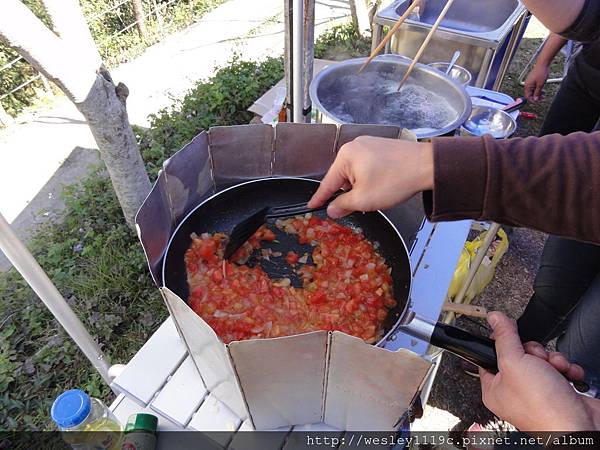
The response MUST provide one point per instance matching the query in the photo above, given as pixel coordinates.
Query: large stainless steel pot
(433, 106)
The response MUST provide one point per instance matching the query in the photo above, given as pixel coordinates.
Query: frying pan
(225, 209)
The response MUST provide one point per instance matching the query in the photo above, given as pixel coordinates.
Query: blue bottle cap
(71, 408)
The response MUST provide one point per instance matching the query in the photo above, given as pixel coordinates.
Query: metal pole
(287, 60)
(298, 60)
(481, 251)
(31, 271)
(309, 56)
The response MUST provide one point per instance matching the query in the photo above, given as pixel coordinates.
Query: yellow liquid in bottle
(104, 434)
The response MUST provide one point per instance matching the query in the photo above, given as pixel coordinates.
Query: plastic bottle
(86, 422)
(140, 432)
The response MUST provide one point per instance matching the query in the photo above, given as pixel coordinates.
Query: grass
(97, 264)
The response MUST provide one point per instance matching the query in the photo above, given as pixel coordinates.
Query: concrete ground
(33, 150)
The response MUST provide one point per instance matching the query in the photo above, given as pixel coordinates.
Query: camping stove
(321, 376)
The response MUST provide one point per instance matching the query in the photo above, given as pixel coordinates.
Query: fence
(148, 17)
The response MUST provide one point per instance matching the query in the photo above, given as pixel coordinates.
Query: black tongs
(247, 227)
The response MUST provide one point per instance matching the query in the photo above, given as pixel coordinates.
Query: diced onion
(237, 316)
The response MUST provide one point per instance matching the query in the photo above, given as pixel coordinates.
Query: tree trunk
(354, 15)
(72, 62)
(106, 114)
(372, 7)
(360, 16)
(138, 10)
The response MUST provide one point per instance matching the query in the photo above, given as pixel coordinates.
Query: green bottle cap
(141, 422)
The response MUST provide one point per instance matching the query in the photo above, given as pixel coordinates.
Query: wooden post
(309, 53)
(138, 11)
(159, 17)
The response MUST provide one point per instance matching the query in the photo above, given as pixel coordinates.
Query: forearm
(556, 15)
(551, 183)
(551, 48)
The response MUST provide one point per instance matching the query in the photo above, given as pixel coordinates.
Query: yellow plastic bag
(486, 270)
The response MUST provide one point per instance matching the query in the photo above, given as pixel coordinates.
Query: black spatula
(247, 227)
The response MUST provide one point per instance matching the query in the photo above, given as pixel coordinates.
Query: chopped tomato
(314, 221)
(207, 249)
(349, 287)
(292, 257)
(318, 297)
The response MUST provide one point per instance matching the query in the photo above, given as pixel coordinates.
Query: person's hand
(530, 390)
(535, 82)
(573, 372)
(380, 172)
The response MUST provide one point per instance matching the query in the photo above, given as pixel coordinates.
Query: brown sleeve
(550, 183)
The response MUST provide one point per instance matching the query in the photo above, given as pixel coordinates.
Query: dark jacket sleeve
(550, 183)
(586, 27)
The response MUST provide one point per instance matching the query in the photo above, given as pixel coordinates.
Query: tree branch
(22, 30)
(70, 25)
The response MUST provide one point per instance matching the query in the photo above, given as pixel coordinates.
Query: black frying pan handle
(481, 351)
(477, 349)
